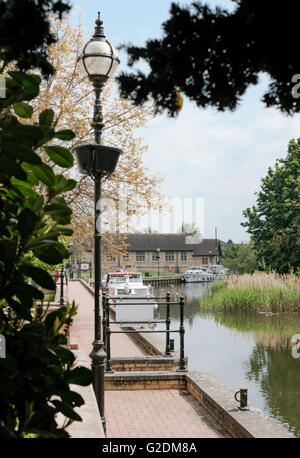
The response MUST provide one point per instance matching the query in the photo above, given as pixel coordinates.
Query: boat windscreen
(117, 279)
(135, 278)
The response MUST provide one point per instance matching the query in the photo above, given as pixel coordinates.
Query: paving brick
(122, 345)
(133, 411)
(158, 413)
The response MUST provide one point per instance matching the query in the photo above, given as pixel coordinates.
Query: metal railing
(107, 331)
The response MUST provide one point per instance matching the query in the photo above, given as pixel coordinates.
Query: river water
(243, 351)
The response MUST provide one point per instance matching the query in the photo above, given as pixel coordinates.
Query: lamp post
(100, 61)
(158, 258)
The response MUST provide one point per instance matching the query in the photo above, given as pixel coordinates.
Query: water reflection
(243, 350)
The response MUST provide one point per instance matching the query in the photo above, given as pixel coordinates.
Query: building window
(154, 256)
(110, 258)
(183, 256)
(140, 256)
(169, 256)
(205, 261)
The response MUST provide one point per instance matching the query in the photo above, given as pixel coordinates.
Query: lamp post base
(98, 357)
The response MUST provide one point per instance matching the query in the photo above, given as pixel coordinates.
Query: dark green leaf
(65, 230)
(64, 185)
(21, 133)
(51, 253)
(14, 93)
(23, 110)
(58, 209)
(46, 118)
(65, 135)
(36, 203)
(45, 174)
(21, 152)
(80, 376)
(59, 230)
(66, 410)
(31, 178)
(72, 398)
(12, 169)
(40, 276)
(8, 252)
(65, 355)
(30, 84)
(27, 221)
(24, 187)
(48, 134)
(34, 292)
(60, 155)
(22, 307)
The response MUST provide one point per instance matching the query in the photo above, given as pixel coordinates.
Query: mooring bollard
(243, 401)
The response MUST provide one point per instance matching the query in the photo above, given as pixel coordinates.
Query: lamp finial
(99, 31)
(98, 20)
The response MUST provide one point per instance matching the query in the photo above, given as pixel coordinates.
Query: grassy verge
(260, 292)
(82, 275)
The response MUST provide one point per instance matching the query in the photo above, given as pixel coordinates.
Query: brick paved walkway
(157, 414)
(140, 413)
(83, 326)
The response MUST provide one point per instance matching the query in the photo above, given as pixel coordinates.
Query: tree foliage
(212, 56)
(68, 92)
(240, 258)
(36, 374)
(25, 32)
(274, 222)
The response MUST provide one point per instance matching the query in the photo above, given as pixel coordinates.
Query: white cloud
(220, 157)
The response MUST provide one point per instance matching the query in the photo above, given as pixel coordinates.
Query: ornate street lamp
(100, 61)
(158, 258)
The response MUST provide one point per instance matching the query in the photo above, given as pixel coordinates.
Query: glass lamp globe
(99, 58)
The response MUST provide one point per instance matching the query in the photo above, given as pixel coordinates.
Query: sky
(204, 155)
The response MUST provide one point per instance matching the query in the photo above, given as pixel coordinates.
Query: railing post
(62, 301)
(108, 335)
(168, 349)
(181, 332)
(104, 300)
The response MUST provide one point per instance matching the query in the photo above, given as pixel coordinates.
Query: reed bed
(259, 292)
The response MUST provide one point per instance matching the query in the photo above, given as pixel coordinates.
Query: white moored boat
(198, 274)
(219, 271)
(131, 299)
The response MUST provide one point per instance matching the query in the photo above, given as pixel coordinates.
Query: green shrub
(36, 374)
(268, 292)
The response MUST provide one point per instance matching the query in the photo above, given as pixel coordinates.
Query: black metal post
(108, 336)
(98, 161)
(98, 354)
(181, 333)
(168, 349)
(62, 301)
(104, 300)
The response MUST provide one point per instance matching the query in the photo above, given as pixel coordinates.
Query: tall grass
(260, 292)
